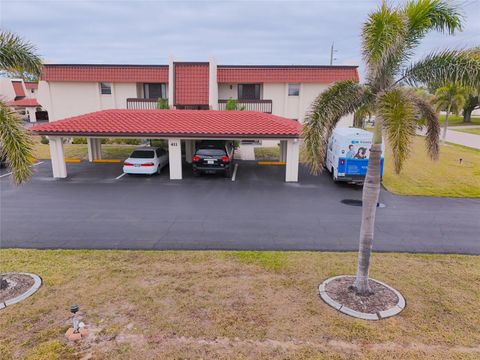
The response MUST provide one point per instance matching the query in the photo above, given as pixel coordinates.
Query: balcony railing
(264, 106)
(251, 105)
(141, 104)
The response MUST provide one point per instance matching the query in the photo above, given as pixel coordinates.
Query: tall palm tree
(389, 36)
(450, 98)
(16, 56)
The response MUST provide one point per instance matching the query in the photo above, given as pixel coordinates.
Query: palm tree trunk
(371, 192)
(445, 125)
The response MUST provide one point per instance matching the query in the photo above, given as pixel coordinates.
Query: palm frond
(397, 112)
(18, 55)
(340, 99)
(16, 144)
(427, 15)
(439, 68)
(427, 113)
(380, 31)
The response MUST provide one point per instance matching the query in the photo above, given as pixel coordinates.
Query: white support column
(291, 169)
(94, 146)
(32, 114)
(189, 150)
(171, 81)
(212, 84)
(175, 158)
(59, 168)
(283, 151)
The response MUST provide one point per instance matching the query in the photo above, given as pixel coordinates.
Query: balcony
(264, 106)
(141, 104)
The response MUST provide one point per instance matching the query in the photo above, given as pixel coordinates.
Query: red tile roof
(191, 83)
(31, 85)
(18, 88)
(282, 74)
(26, 102)
(171, 123)
(107, 73)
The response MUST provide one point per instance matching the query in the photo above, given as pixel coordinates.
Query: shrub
(80, 140)
(44, 140)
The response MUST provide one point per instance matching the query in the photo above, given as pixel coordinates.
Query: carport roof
(174, 123)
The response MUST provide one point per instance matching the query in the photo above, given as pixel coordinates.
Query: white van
(347, 154)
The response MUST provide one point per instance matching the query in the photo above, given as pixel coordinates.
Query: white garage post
(59, 168)
(32, 116)
(291, 170)
(188, 151)
(94, 149)
(175, 158)
(283, 151)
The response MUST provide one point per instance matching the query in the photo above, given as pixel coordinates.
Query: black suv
(213, 157)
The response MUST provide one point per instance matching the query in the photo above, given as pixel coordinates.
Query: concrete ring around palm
(385, 301)
(20, 286)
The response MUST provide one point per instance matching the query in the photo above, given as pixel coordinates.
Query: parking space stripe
(1, 176)
(235, 172)
(10, 173)
(120, 176)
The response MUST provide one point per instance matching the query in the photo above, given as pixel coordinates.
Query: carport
(175, 126)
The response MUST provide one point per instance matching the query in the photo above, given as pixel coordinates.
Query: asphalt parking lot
(97, 207)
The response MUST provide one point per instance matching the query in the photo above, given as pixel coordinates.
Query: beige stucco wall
(293, 107)
(225, 93)
(7, 93)
(65, 99)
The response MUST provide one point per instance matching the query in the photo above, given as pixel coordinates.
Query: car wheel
(159, 170)
(228, 173)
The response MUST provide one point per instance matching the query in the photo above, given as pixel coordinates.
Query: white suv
(146, 160)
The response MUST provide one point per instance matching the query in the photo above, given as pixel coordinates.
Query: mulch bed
(17, 285)
(382, 298)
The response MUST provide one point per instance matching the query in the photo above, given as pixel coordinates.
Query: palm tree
(389, 36)
(450, 98)
(16, 56)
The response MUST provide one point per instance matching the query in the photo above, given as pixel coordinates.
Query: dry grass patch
(236, 305)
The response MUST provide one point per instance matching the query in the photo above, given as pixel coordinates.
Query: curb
(357, 314)
(36, 285)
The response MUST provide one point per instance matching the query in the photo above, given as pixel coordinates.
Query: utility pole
(332, 51)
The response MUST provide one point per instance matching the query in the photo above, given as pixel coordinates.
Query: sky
(232, 31)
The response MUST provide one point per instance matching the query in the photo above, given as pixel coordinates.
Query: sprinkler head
(74, 309)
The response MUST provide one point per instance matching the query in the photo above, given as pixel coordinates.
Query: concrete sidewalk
(459, 138)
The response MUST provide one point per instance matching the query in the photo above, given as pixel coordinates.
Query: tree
(389, 37)
(16, 56)
(471, 104)
(450, 98)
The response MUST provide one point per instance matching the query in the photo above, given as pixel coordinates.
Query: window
(249, 91)
(142, 154)
(293, 89)
(155, 91)
(105, 88)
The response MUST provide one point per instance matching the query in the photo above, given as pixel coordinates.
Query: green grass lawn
(236, 305)
(457, 120)
(79, 151)
(474, 131)
(445, 177)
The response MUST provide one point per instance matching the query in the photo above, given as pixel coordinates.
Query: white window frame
(104, 86)
(292, 91)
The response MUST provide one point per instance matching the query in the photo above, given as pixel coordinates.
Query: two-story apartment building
(22, 96)
(288, 91)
